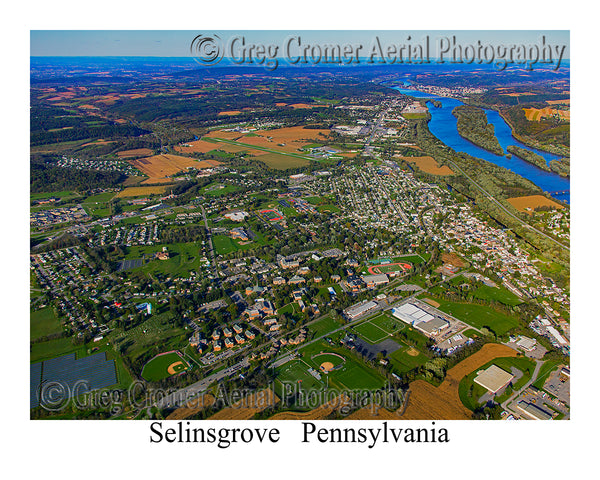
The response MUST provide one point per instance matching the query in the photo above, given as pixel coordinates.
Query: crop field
(319, 413)
(523, 204)
(479, 316)
(429, 165)
(136, 152)
(537, 114)
(159, 167)
(427, 402)
(192, 407)
(163, 366)
(245, 408)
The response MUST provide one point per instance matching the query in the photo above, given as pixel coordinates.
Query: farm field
(160, 167)
(43, 322)
(427, 402)
(537, 114)
(247, 407)
(136, 152)
(163, 366)
(192, 407)
(530, 202)
(479, 316)
(319, 413)
(429, 165)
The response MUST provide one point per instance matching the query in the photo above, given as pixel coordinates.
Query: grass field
(547, 368)
(406, 358)
(479, 316)
(43, 322)
(164, 366)
(323, 326)
(499, 294)
(141, 191)
(371, 333)
(54, 348)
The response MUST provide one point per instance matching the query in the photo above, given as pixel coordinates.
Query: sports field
(323, 326)
(371, 333)
(163, 366)
(390, 267)
(271, 215)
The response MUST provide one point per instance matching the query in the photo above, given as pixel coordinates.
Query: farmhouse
(493, 378)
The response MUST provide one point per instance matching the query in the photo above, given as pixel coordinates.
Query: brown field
(427, 402)
(202, 146)
(137, 152)
(133, 180)
(192, 407)
(429, 165)
(536, 114)
(159, 167)
(370, 413)
(431, 302)
(230, 112)
(318, 413)
(524, 204)
(98, 142)
(141, 191)
(453, 258)
(247, 407)
(559, 102)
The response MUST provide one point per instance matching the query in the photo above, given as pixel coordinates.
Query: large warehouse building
(420, 319)
(493, 378)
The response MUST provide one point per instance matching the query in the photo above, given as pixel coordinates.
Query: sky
(167, 43)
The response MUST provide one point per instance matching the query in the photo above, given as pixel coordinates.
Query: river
(443, 126)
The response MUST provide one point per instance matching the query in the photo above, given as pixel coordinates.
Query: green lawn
(387, 323)
(500, 294)
(403, 362)
(370, 332)
(156, 368)
(43, 322)
(323, 326)
(54, 348)
(547, 368)
(479, 315)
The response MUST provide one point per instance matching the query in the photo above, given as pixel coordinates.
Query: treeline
(83, 132)
(548, 134)
(473, 125)
(529, 157)
(49, 178)
(561, 166)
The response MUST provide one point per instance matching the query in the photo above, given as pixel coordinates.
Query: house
(249, 334)
(216, 335)
(265, 306)
(239, 233)
(239, 339)
(335, 278)
(318, 279)
(229, 343)
(228, 333)
(269, 321)
(274, 327)
(217, 346)
(279, 281)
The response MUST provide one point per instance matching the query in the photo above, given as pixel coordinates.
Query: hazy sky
(166, 43)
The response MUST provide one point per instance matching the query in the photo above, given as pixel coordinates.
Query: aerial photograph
(299, 225)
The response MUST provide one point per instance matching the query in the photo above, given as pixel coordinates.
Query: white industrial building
(420, 319)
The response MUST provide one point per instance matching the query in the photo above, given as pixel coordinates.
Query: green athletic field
(157, 367)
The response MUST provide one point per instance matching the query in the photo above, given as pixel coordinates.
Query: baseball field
(164, 365)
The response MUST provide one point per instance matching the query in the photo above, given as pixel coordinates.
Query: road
(536, 371)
